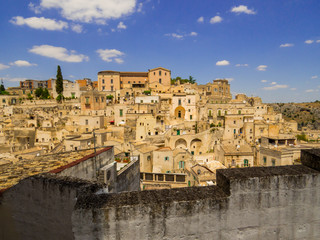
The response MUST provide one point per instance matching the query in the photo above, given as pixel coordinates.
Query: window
(154, 73)
(102, 99)
(234, 122)
(181, 164)
(103, 88)
(141, 101)
(121, 112)
(111, 88)
(102, 80)
(246, 163)
(166, 158)
(190, 117)
(151, 101)
(239, 112)
(87, 100)
(189, 101)
(128, 81)
(97, 99)
(273, 162)
(159, 73)
(87, 121)
(179, 102)
(159, 80)
(111, 81)
(219, 113)
(264, 160)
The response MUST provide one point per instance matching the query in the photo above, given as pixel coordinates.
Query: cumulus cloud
(229, 79)
(242, 9)
(58, 53)
(215, 19)
(17, 79)
(181, 36)
(314, 77)
(3, 66)
(193, 34)
(286, 45)
(264, 81)
(318, 41)
(93, 10)
(273, 83)
(262, 67)
(110, 55)
(223, 63)
(40, 23)
(200, 20)
(242, 65)
(275, 87)
(77, 28)
(22, 63)
(121, 26)
(308, 41)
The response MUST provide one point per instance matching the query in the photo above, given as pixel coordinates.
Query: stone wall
(251, 203)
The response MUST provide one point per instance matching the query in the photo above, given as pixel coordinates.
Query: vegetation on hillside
(305, 114)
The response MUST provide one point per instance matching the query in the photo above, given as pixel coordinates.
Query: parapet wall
(251, 203)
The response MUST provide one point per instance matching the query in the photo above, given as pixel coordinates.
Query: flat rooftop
(12, 173)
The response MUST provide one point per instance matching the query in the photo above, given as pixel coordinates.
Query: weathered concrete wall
(128, 178)
(87, 167)
(252, 203)
(40, 207)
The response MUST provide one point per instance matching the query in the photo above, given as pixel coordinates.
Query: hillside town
(179, 131)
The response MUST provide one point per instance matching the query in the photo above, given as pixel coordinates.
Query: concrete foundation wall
(128, 179)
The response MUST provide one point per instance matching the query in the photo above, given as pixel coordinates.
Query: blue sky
(266, 48)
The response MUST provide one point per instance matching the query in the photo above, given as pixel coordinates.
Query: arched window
(246, 163)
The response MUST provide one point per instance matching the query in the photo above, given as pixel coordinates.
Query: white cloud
(200, 20)
(139, 8)
(314, 77)
(3, 66)
(89, 11)
(273, 83)
(264, 81)
(40, 23)
(35, 9)
(275, 87)
(121, 26)
(262, 67)
(308, 41)
(215, 19)
(174, 35)
(110, 55)
(58, 53)
(312, 90)
(223, 63)
(287, 45)
(22, 63)
(229, 79)
(77, 28)
(318, 41)
(18, 79)
(242, 9)
(242, 65)
(293, 89)
(193, 34)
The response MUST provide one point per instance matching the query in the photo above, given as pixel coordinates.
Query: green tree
(30, 97)
(38, 92)
(191, 80)
(2, 89)
(59, 81)
(45, 94)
